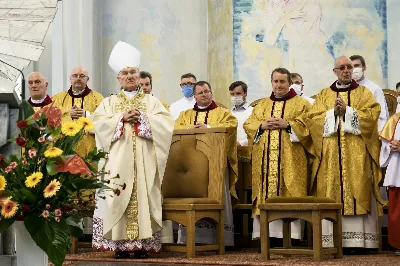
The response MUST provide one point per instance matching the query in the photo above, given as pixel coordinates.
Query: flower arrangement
(41, 187)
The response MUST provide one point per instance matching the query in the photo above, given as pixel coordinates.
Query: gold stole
(131, 212)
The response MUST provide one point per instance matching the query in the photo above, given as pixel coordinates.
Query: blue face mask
(187, 91)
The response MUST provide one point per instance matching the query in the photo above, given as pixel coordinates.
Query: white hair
(42, 77)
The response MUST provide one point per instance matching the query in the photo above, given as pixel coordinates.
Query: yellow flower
(86, 123)
(52, 188)
(3, 183)
(70, 128)
(52, 152)
(9, 208)
(33, 179)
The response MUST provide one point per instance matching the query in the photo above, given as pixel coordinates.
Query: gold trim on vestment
(131, 212)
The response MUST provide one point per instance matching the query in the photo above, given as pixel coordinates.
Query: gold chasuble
(88, 100)
(280, 167)
(347, 150)
(138, 154)
(216, 116)
(37, 105)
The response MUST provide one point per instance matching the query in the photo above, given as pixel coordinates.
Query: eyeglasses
(203, 92)
(187, 84)
(81, 76)
(341, 68)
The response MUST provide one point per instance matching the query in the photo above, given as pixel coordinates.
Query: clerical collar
(40, 103)
(130, 94)
(337, 87)
(83, 93)
(292, 93)
(211, 106)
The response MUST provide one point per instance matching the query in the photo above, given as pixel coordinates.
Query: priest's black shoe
(122, 255)
(140, 254)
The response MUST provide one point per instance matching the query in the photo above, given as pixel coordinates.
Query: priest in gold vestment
(343, 125)
(206, 114)
(79, 101)
(281, 150)
(136, 131)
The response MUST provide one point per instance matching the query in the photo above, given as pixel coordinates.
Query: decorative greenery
(42, 187)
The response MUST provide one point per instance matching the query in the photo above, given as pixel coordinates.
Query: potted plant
(41, 187)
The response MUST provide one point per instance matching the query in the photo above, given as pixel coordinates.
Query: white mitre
(122, 56)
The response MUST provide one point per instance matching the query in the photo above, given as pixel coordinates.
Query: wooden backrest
(196, 164)
(391, 100)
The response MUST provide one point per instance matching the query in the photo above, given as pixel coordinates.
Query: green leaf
(51, 165)
(25, 110)
(75, 231)
(73, 220)
(50, 236)
(5, 224)
(29, 195)
(12, 140)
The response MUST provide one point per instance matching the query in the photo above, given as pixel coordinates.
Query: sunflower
(86, 123)
(9, 208)
(33, 179)
(3, 183)
(52, 152)
(52, 188)
(70, 128)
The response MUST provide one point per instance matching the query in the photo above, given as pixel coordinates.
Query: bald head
(37, 84)
(79, 78)
(343, 70)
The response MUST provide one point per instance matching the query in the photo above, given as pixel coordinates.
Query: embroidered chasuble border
(348, 201)
(131, 212)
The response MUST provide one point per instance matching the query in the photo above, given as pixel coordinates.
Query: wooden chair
(193, 185)
(75, 244)
(391, 100)
(243, 186)
(310, 209)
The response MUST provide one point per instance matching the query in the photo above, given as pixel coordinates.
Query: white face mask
(237, 100)
(357, 73)
(297, 88)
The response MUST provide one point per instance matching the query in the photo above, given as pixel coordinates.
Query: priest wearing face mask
(206, 114)
(343, 122)
(281, 150)
(136, 131)
(358, 75)
(298, 86)
(241, 109)
(37, 84)
(188, 101)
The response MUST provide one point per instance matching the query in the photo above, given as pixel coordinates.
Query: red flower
(32, 153)
(41, 139)
(26, 208)
(57, 219)
(1, 160)
(47, 206)
(68, 208)
(21, 141)
(117, 192)
(54, 116)
(19, 217)
(13, 165)
(123, 186)
(73, 164)
(22, 124)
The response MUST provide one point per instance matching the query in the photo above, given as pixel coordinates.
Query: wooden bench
(310, 209)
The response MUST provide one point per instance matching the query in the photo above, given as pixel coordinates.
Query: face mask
(297, 88)
(357, 73)
(237, 100)
(187, 91)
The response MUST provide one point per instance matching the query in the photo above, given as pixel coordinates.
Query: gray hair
(42, 77)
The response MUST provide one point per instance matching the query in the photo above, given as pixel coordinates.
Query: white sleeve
(351, 124)
(87, 114)
(293, 137)
(330, 124)
(384, 157)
